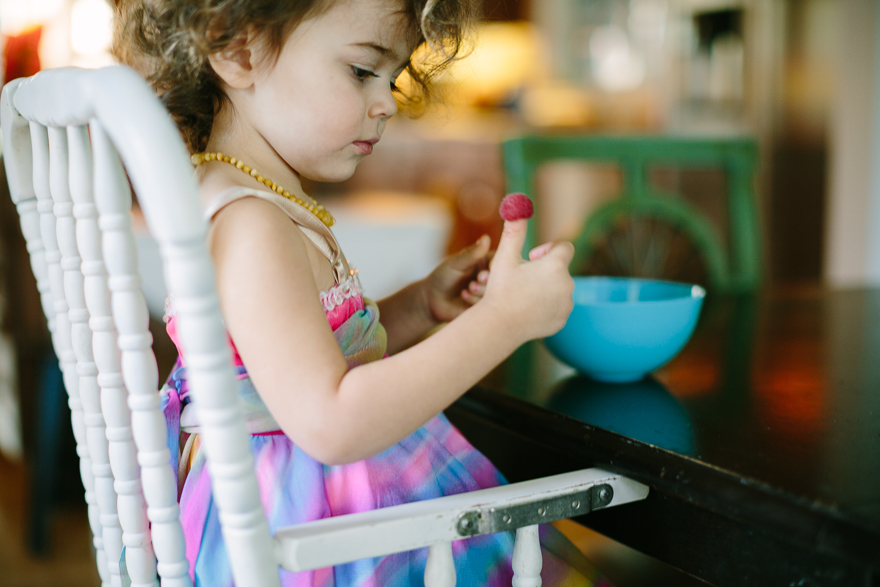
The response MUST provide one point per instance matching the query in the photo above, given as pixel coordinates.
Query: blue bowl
(623, 328)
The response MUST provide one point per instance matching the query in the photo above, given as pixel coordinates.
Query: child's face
(326, 100)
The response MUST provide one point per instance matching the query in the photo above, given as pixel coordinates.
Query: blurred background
(799, 77)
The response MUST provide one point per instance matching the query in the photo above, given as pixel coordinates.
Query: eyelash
(362, 75)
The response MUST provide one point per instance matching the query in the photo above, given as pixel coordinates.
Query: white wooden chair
(69, 137)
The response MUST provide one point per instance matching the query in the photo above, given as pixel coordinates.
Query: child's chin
(332, 175)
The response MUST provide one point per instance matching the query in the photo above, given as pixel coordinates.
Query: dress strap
(316, 231)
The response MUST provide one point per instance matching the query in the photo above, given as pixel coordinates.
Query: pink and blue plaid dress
(433, 461)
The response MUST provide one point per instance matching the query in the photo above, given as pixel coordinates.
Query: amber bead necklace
(315, 208)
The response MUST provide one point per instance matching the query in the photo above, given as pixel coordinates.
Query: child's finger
(473, 295)
(512, 239)
(539, 251)
(563, 250)
(476, 288)
(483, 276)
(466, 258)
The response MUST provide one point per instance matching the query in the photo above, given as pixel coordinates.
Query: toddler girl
(267, 92)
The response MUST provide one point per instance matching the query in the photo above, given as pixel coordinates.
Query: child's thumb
(513, 237)
(468, 257)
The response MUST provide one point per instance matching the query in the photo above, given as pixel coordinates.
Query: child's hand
(459, 281)
(535, 295)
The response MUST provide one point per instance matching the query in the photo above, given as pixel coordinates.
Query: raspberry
(516, 207)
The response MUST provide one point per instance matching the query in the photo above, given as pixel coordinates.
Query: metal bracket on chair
(499, 519)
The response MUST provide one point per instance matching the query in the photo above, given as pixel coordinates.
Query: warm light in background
(555, 103)
(90, 26)
(74, 32)
(17, 15)
(504, 58)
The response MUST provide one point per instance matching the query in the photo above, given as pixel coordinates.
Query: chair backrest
(72, 139)
(734, 265)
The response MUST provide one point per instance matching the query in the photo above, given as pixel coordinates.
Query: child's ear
(236, 64)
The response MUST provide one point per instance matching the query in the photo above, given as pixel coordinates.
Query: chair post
(130, 125)
(61, 333)
(139, 371)
(173, 212)
(527, 561)
(139, 560)
(745, 253)
(61, 182)
(18, 161)
(634, 175)
(440, 568)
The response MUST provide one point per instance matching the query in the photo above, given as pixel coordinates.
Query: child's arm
(269, 299)
(451, 288)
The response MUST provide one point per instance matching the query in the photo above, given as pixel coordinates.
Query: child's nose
(384, 105)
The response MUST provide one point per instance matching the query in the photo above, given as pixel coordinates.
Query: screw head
(505, 518)
(468, 524)
(575, 504)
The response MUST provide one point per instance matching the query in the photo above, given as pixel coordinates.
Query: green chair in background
(728, 264)
(730, 268)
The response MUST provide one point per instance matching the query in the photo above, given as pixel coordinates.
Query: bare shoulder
(249, 209)
(261, 260)
(253, 235)
(251, 226)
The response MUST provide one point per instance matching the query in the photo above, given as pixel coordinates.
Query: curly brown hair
(169, 42)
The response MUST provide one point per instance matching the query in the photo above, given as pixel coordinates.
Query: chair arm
(342, 539)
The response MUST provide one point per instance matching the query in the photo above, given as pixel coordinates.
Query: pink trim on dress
(339, 302)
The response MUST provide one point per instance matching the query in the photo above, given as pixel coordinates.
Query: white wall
(852, 251)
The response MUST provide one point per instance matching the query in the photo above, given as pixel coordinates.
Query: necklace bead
(313, 207)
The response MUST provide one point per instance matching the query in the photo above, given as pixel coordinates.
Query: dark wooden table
(760, 441)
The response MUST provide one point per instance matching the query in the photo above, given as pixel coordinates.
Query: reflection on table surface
(781, 389)
(643, 410)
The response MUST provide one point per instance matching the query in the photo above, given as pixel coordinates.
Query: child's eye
(362, 74)
(394, 87)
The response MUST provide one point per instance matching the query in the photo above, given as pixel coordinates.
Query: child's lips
(366, 147)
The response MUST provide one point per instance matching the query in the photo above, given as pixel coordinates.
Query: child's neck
(232, 137)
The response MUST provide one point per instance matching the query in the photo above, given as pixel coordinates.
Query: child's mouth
(364, 147)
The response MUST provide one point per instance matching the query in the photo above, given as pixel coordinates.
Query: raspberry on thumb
(516, 207)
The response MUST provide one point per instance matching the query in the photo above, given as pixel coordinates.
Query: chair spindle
(140, 561)
(440, 568)
(139, 370)
(527, 560)
(61, 335)
(62, 183)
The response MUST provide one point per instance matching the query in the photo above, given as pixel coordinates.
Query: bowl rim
(697, 292)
